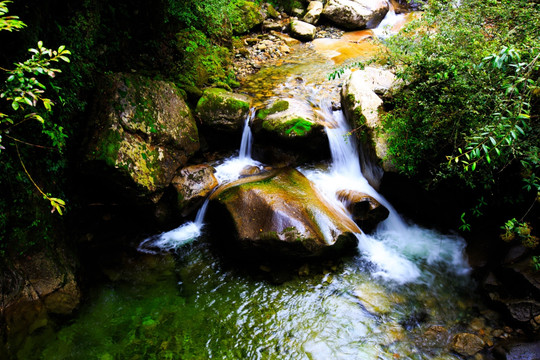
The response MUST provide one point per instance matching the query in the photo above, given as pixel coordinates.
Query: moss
(245, 16)
(108, 147)
(278, 106)
(294, 127)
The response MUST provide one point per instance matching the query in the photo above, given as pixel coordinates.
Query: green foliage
(467, 114)
(521, 231)
(469, 72)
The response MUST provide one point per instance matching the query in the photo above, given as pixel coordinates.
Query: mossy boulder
(291, 125)
(222, 110)
(246, 16)
(280, 212)
(142, 131)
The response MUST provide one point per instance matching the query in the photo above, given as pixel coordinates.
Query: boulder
(356, 14)
(361, 106)
(281, 213)
(291, 124)
(223, 110)
(314, 11)
(142, 131)
(34, 287)
(192, 185)
(366, 211)
(467, 344)
(302, 30)
(248, 16)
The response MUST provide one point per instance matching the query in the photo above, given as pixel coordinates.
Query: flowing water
(195, 304)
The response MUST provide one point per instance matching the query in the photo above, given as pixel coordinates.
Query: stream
(193, 303)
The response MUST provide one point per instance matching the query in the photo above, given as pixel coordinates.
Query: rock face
(222, 110)
(314, 11)
(356, 14)
(366, 211)
(36, 286)
(361, 107)
(192, 185)
(302, 30)
(142, 131)
(281, 213)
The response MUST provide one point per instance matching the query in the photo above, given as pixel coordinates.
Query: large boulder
(302, 30)
(367, 212)
(356, 14)
(361, 106)
(222, 110)
(142, 132)
(280, 212)
(314, 11)
(192, 185)
(290, 124)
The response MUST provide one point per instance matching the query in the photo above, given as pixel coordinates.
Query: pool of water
(197, 305)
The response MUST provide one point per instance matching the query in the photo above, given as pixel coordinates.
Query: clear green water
(197, 307)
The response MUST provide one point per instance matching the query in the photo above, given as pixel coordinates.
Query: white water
(387, 26)
(226, 172)
(396, 249)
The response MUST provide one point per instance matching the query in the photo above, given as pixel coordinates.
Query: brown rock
(281, 212)
(467, 344)
(366, 211)
(192, 185)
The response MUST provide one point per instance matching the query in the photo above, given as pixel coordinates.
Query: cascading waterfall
(395, 248)
(387, 25)
(228, 171)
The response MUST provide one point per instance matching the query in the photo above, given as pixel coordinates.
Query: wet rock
(293, 125)
(361, 106)
(356, 14)
(436, 336)
(467, 344)
(314, 11)
(302, 30)
(281, 213)
(192, 185)
(366, 211)
(142, 131)
(222, 110)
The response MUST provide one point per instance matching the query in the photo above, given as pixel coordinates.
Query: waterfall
(247, 139)
(387, 26)
(228, 171)
(172, 240)
(396, 249)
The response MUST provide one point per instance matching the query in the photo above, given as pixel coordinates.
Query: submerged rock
(223, 110)
(142, 132)
(281, 213)
(467, 344)
(302, 30)
(193, 184)
(356, 14)
(366, 211)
